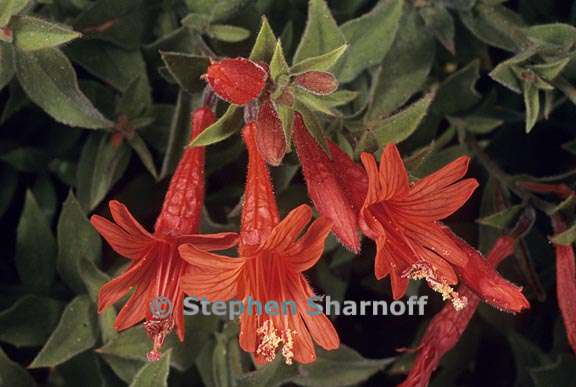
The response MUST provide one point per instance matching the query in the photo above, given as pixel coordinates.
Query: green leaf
(8, 8)
(555, 35)
(505, 72)
(122, 23)
(154, 374)
(566, 237)
(77, 240)
(226, 126)
(458, 93)
(549, 71)
(265, 43)
(315, 103)
(125, 369)
(527, 355)
(178, 133)
(531, 103)
(272, 375)
(50, 82)
(187, 69)
(227, 33)
(370, 38)
(502, 219)
(31, 33)
(141, 149)
(92, 277)
(7, 70)
(286, 115)
(76, 332)
(35, 247)
(107, 62)
(13, 374)
(400, 126)
(26, 159)
(101, 164)
(321, 33)
(476, 124)
(322, 62)
(135, 101)
(20, 325)
(405, 68)
(343, 367)
(278, 64)
(83, 370)
(216, 10)
(439, 21)
(495, 25)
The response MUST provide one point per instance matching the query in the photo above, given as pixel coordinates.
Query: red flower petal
(317, 82)
(323, 187)
(237, 80)
(269, 134)
(351, 176)
(127, 245)
(259, 211)
(566, 283)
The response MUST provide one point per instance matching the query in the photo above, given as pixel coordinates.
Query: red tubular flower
(480, 276)
(446, 328)
(562, 190)
(236, 80)
(273, 257)
(403, 219)
(325, 186)
(566, 283)
(156, 266)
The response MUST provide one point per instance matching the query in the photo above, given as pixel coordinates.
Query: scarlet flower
(272, 259)
(236, 80)
(566, 282)
(330, 189)
(446, 328)
(403, 219)
(156, 266)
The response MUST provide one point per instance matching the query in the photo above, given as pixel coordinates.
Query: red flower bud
(269, 134)
(317, 82)
(237, 80)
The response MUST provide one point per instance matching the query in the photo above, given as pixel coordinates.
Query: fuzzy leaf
(19, 325)
(278, 64)
(502, 219)
(154, 374)
(370, 37)
(400, 126)
(13, 374)
(102, 163)
(77, 240)
(35, 247)
(458, 92)
(321, 33)
(226, 126)
(566, 237)
(186, 69)
(31, 33)
(76, 332)
(405, 67)
(8, 8)
(322, 62)
(7, 70)
(50, 81)
(265, 43)
(227, 33)
(439, 21)
(531, 103)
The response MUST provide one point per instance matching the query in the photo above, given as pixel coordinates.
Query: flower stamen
(270, 340)
(158, 330)
(422, 270)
